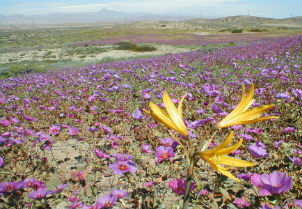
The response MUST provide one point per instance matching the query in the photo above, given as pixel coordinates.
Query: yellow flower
(218, 160)
(240, 115)
(173, 119)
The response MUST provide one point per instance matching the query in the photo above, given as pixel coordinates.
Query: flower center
(165, 155)
(123, 167)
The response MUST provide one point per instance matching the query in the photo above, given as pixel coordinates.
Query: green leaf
(53, 183)
(225, 194)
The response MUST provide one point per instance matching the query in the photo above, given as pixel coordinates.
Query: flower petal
(225, 160)
(245, 103)
(222, 145)
(173, 113)
(179, 109)
(159, 115)
(230, 149)
(227, 173)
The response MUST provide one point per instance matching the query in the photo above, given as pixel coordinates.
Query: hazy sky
(197, 8)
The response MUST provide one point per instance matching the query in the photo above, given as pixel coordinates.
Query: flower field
(193, 130)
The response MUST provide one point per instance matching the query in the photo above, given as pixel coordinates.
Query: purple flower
(295, 160)
(73, 131)
(178, 186)
(149, 184)
(5, 122)
(283, 95)
(59, 189)
(277, 143)
(254, 131)
(163, 153)
(107, 201)
(298, 203)
(247, 137)
(204, 192)
(8, 187)
(274, 183)
(119, 193)
(123, 157)
(55, 130)
(257, 151)
(245, 176)
(44, 137)
(146, 95)
(240, 202)
(100, 153)
(107, 130)
(47, 145)
(39, 194)
(215, 108)
(236, 127)
(137, 115)
(122, 167)
(297, 93)
(265, 206)
(289, 130)
(1, 161)
(146, 148)
(168, 142)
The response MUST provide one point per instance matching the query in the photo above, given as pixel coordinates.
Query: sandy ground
(58, 53)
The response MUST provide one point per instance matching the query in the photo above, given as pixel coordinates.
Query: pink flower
(107, 201)
(100, 153)
(149, 184)
(289, 130)
(164, 153)
(178, 186)
(146, 148)
(5, 123)
(122, 167)
(204, 192)
(54, 130)
(73, 131)
(1, 161)
(240, 202)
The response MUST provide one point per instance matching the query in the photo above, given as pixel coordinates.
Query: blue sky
(197, 8)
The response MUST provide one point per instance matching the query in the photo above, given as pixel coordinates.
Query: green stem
(157, 198)
(188, 184)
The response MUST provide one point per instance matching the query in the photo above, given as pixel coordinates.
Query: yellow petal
(230, 149)
(245, 103)
(253, 113)
(208, 160)
(222, 145)
(161, 117)
(179, 109)
(227, 173)
(256, 120)
(246, 117)
(173, 114)
(225, 160)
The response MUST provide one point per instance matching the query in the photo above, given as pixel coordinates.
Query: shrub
(134, 47)
(125, 46)
(257, 30)
(144, 49)
(237, 30)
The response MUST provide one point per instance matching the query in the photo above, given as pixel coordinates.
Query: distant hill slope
(243, 21)
(251, 21)
(101, 16)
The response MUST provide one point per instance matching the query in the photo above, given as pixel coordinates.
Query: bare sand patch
(58, 53)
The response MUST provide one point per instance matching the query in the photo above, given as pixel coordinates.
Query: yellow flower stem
(193, 159)
(186, 199)
(206, 145)
(182, 146)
